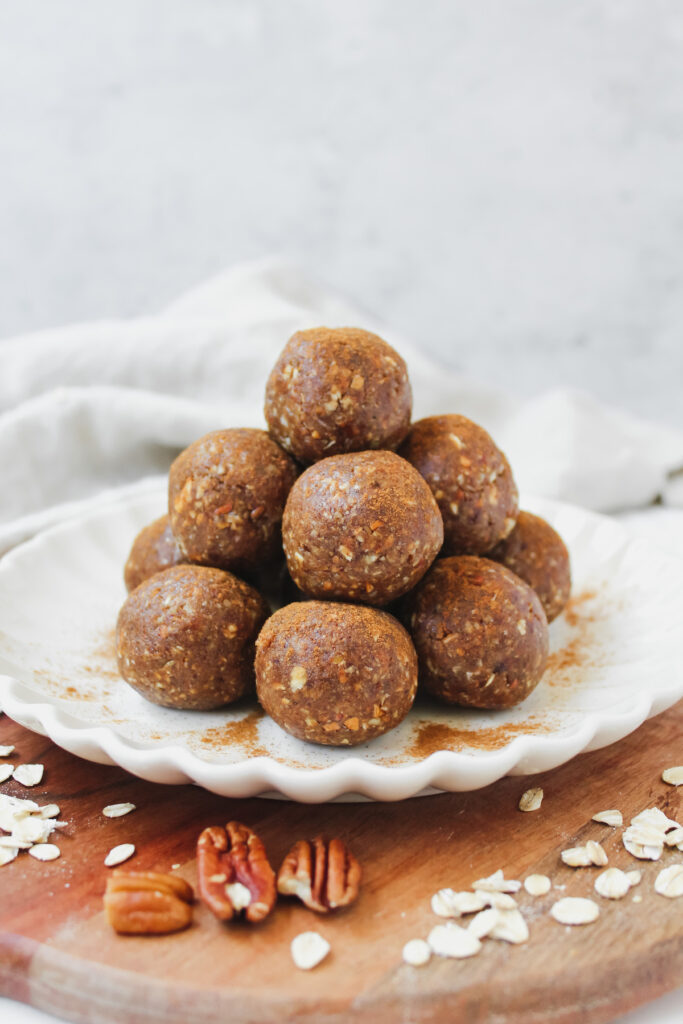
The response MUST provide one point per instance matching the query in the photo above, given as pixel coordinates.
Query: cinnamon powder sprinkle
(575, 612)
(105, 650)
(580, 650)
(243, 733)
(431, 737)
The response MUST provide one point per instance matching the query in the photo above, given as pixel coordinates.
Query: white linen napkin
(90, 412)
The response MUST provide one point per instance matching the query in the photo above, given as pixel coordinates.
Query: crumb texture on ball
(337, 390)
(360, 527)
(537, 553)
(185, 637)
(480, 633)
(226, 495)
(470, 478)
(154, 549)
(336, 674)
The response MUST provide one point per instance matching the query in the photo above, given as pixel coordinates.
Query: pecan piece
(147, 903)
(234, 873)
(323, 873)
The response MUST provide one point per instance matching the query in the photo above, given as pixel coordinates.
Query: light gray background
(502, 180)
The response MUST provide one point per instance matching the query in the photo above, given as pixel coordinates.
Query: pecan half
(234, 873)
(323, 873)
(147, 903)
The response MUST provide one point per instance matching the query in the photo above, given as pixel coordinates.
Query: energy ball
(153, 549)
(226, 493)
(338, 674)
(538, 554)
(480, 633)
(185, 637)
(360, 527)
(337, 390)
(470, 479)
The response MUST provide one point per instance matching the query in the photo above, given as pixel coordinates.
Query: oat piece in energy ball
(361, 527)
(480, 633)
(154, 549)
(337, 390)
(337, 674)
(185, 637)
(470, 479)
(537, 553)
(226, 493)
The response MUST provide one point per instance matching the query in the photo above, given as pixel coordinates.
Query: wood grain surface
(57, 952)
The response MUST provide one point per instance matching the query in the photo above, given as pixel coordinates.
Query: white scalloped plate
(616, 660)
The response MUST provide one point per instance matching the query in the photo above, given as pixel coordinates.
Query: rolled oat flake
(417, 952)
(575, 910)
(451, 940)
(537, 885)
(28, 774)
(610, 817)
(118, 854)
(674, 776)
(117, 810)
(612, 884)
(531, 800)
(448, 903)
(308, 950)
(45, 851)
(669, 881)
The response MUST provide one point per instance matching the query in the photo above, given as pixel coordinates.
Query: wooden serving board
(57, 952)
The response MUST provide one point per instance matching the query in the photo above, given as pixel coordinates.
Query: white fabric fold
(104, 407)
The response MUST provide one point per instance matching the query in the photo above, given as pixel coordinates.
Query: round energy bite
(480, 633)
(153, 550)
(470, 479)
(338, 674)
(537, 553)
(361, 527)
(336, 390)
(185, 637)
(226, 493)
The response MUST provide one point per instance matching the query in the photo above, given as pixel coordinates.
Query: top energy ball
(337, 390)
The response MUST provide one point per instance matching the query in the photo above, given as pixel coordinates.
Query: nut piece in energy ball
(337, 390)
(154, 549)
(185, 637)
(323, 873)
(337, 674)
(360, 527)
(147, 903)
(470, 479)
(538, 554)
(234, 873)
(226, 493)
(480, 632)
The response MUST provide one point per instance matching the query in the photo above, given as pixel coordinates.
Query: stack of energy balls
(419, 519)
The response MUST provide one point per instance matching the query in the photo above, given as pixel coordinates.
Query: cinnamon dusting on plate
(575, 613)
(242, 733)
(430, 737)
(582, 649)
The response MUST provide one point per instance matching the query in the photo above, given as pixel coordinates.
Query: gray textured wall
(503, 181)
